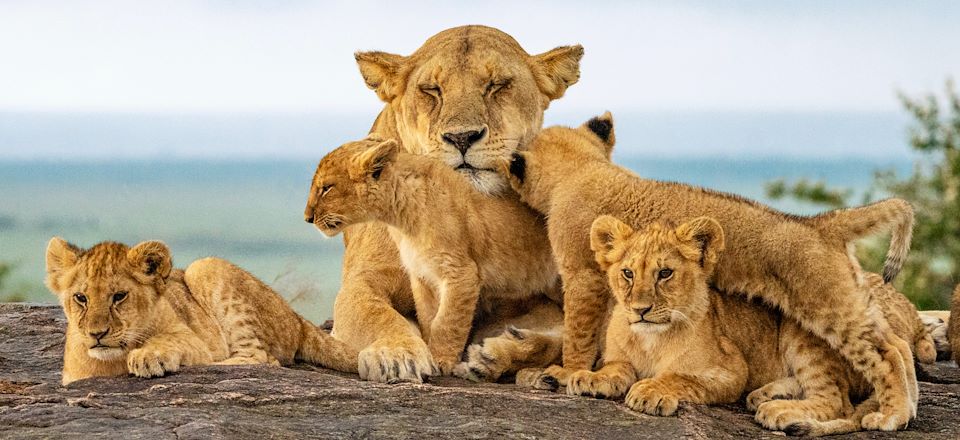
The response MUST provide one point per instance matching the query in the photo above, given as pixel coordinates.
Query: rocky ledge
(270, 402)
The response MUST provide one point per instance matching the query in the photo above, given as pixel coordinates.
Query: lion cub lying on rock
(673, 339)
(481, 247)
(801, 265)
(128, 311)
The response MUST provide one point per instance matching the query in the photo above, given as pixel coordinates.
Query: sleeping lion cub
(801, 265)
(129, 311)
(673, 339)
(460, 247)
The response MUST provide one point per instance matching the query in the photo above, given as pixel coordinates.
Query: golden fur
(903, 317)
(802, 265)
(129, 311)
(470, 78)
(672, 338)
(480, 247)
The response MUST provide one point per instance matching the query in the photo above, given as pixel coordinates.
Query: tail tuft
(846, 225)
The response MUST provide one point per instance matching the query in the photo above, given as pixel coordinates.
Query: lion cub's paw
(447, 366)
(782, 389)
(653, 398)
(481, 364)
(879, 421)
(537, 378)
(148, 362)
(394, 364)
(779, 415)
(592, 384)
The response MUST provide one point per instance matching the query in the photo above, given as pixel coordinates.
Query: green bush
(933, 189)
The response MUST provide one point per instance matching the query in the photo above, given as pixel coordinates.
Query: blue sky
(278, 56)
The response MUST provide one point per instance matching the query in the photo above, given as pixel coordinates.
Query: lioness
(672, 339)
(129, 311)
(481, 247)
(802, 265)
(468, 98)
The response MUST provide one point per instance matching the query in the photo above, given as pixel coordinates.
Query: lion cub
(671, 338)
(480, 247)
(802, 265)
(129, 311)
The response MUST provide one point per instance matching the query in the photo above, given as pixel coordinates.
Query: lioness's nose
(465, 139)
(308, 218)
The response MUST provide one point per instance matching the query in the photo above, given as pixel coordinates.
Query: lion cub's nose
(308, 219)
(99, 334)
(642, 310)
(465, 139)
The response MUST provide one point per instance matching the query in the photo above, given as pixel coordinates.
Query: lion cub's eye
(664, 274)
(326, 189)
(627, 274)
(119, 296)
(80, 298)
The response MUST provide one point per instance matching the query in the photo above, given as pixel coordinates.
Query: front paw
(653, 398)
(149, 362)
(394, 362)
(592, 384)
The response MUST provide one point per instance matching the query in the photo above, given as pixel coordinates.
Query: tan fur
(673, 339)
(953, 329)
(798, 264)
(903, 317)
(937, 323)
(456, 81)
(482, 247)
(129, 311)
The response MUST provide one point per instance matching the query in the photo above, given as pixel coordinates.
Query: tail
(846, 225)
(320, 348)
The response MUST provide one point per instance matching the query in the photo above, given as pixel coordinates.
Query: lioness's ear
(381, 72)
(706, 235)
(602, 127)
(557, 69)
(605, 233)
(151, 259)
(61, 256)
(372, 161)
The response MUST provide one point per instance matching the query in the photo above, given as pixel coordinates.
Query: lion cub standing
(802, 265)
(128, 311)
(480, 247)
(673, 339)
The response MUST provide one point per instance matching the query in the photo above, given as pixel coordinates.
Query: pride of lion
(479, 245)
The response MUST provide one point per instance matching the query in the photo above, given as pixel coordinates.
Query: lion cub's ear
(371, 162)
(602, 127)
(381, 72)
(151, 259)
(706, 235)
(605, 233)
(557, 69)
(61, 256)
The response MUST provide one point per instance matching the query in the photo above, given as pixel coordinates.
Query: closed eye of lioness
(457, 245)
(802, 265)
(672, 339)
(129, 311)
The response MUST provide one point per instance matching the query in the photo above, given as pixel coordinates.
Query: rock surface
(269, 402)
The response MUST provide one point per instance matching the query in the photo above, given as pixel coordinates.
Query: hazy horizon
(84, 136)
